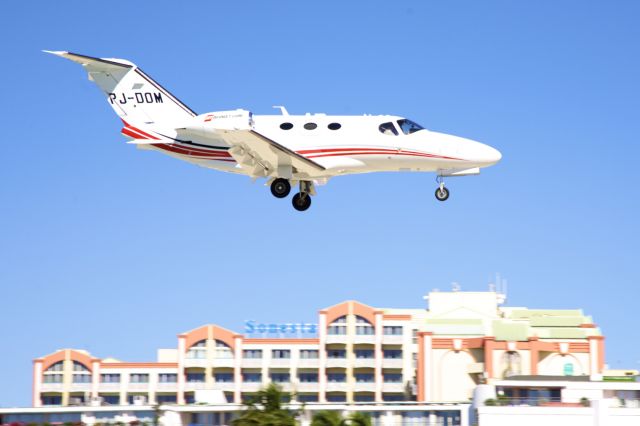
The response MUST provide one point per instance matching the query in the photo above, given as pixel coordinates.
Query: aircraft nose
(487, 155)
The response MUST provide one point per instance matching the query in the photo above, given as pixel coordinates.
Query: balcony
(336, 386)
(336, 338)
(251, 386)
(308, 363)
(195, 362)
(392, 339)
(393, 387)
(224, 362)
(138, 387)
(224, 386)
(109, 387)
(195, 385)
(392, 363)
(364, 363)
(167, 386)
(336, 362)
(80, 387)
(307, 387)
(52, 387)
(364, 387)
(280, 363)
(252, 363)
(364, 338)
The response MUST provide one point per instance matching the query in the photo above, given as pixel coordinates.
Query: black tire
(280, 188)
(442, 195)
(301, 202)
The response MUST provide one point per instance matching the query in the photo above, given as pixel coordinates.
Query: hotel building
(360, 354)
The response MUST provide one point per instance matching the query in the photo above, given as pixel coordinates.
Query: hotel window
(336, 377)
(223, 377)
(393, 330)
(307, 397)
(168, 378)
(280, 377)
(308, 377)
(252, 377)
(58, 366)
(393, 353)
(392, 378)
(52, 378)
(336, 398)
(511, 364)
(364, 353)
(252, 353)
(52, 400)
(364, 377)
(165, 399)
(336, 353)
(111, 399)
(338, 327)
(392, 397)
(81, 378)
(110, 378)
(414, 334)
(280, 354)
(223, 350)
(363, 398)
(78, 367)
(309, 354)
(139, 378)
(198, 350)
(195, 377)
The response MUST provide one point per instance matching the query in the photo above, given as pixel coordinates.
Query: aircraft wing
(265, 157)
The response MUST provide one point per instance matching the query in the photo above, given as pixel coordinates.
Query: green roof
(510, 331)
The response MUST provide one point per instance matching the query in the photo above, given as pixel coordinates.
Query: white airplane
(285, 149)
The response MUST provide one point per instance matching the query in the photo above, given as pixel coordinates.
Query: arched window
(339, 326)
(364, 327)
(198, 350)
(223, 350)
(511, 364)
(81, 373)
(53, 374)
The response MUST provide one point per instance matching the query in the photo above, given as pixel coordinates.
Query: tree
(334, 418)
(265, 409)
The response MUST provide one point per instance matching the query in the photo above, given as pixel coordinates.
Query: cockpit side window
(409, 126)
(388, 129)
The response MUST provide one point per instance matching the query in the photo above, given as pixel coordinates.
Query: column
(351, 332)
(322, 357)
(95, 378)
(424, 376)
(237, 370)
(181, 373)
(37, 383)
(534, 355)
(67, 377)
(378, 356)
(488, 355)
(596, 355)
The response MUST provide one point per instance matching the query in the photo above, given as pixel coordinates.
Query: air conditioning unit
(96, 401)
(74, 400)
(139, 400)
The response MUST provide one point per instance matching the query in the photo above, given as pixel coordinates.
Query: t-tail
(138, 100)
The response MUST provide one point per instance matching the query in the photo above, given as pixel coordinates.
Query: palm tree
(328, 418)
(334, 418)
(265, 409)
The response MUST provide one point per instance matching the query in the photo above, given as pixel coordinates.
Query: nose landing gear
(442, 193)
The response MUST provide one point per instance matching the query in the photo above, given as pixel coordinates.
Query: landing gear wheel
(280, 188)
(301, 201)
(442, 194)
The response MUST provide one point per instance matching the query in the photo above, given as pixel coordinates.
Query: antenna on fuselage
(283, 110)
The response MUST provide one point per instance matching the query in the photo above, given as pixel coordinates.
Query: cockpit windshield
(409, 126)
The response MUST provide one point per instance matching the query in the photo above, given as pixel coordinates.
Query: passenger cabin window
(409, 126)
(388, 129)
(310, 126)
(334, 126)
(286, 126)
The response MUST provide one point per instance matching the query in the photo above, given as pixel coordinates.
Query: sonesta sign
(255, 327)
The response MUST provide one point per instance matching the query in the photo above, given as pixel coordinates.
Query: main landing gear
(301, 201)
(442, 193)
(280, 188)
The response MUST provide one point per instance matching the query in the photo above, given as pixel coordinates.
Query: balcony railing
(195, 385)
(336, 386)
(224, 362)
(252, 362)
(392, 339)
(336, 362)
(225, 386)
(336, 338)
(167, 386)
(251, 386)
(364, 363)
(280, 362)
(364, 387)
(364, 338)
(46, 387)
(392, 362)
(138, 386)
(195, 362)
(308, 363)
(393, 387)
(307, 387)
(79, 387)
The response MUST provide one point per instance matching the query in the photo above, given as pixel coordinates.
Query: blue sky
(116, 250)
